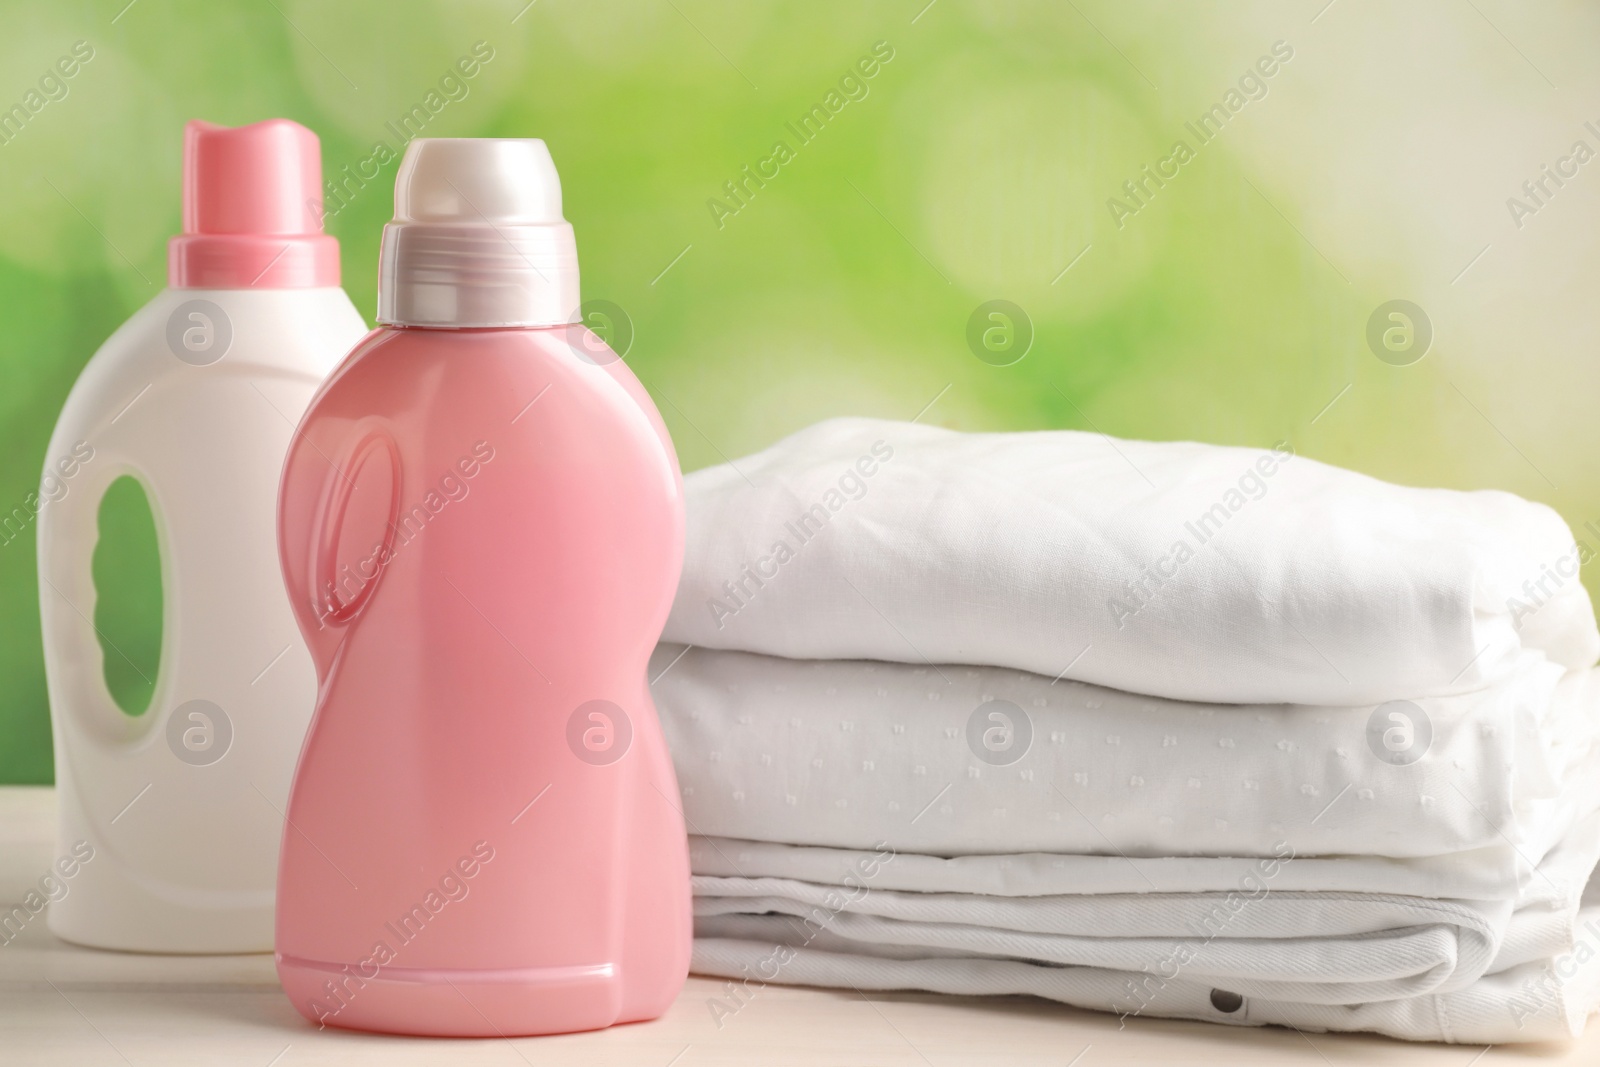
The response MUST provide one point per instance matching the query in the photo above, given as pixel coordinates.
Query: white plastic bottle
(196, 397)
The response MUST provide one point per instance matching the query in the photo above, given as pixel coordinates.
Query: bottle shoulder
(411, 366)
(294, 331)
(534, 389)
(187, 344)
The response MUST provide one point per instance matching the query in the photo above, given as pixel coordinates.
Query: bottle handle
(68, 530)
(310, 558)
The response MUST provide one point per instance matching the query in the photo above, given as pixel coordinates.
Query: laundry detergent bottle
(481, 526)
(171, 793)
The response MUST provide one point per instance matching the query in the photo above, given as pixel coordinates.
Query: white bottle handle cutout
(68, 575)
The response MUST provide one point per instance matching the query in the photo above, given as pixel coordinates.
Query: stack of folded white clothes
(1152, 728)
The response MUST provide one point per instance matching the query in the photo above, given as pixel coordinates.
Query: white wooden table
(62, 1005)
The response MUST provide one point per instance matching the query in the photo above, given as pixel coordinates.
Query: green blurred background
(1375, 164)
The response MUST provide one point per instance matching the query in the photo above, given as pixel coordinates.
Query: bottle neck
(252, 261)
(459, 276)
(413, 328)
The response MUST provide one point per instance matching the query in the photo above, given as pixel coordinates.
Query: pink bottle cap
(252, 207)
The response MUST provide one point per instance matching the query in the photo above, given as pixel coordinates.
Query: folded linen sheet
(863, 840)
(1545, 1001)
(1176, 569)
(1159, 729)
(849, 753)
(1319, 948)
(1412, 967)
(1539, 926)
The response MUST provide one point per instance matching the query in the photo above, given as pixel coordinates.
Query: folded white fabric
(1538, 916)
(1542, 1001)
(1411, 967)
(1269, 854)
(850, 753)
(1164, 729)
(1319, 948)
(1257, 940)
(1175, 569)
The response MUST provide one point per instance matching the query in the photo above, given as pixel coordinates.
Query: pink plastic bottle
(481, 526)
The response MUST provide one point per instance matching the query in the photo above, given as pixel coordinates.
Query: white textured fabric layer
(1177, 569)
(1253, 937)
(848, 754)
(1545, 1001)
(1412, 967)
(1044, 874)
(1320, 948)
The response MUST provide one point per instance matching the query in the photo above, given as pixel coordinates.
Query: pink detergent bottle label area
(481, 530)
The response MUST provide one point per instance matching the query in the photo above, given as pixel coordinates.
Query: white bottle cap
(477, 237)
